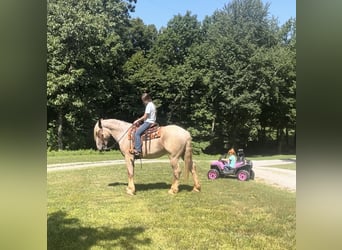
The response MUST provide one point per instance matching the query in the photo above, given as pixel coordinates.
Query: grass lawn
(89, 209)
(291, 166)
(54, 157)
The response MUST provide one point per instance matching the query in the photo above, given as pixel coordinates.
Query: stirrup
(135, 152)
(137, 156)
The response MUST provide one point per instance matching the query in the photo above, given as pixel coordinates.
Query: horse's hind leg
(197, 185)
(176, 175)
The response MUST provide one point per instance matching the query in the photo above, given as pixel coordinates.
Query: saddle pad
(149, 134)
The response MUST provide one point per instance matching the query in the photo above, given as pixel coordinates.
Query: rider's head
(231, 152)
(146, 98)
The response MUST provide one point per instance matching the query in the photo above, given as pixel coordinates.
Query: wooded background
(230, 80)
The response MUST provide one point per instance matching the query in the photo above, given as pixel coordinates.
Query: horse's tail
(188, 158)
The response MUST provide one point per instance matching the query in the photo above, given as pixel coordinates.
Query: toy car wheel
(252, 175)
(213, 174)
(243, 175)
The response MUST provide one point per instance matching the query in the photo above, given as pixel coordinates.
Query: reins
(125, 133)
(118, 141)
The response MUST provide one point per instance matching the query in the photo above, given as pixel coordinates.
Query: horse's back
(174, 139)
(174, 131)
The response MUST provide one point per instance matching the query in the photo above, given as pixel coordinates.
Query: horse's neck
(117, 128)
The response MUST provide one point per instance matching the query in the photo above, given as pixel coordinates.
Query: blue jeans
(138, 134)
(228, 167)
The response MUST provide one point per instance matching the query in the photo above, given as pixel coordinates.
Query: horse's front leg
(130, 172)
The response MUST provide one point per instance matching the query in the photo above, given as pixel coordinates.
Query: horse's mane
(114, 123)
(111, 124)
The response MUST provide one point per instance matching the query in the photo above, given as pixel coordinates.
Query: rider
(148, 118)
(231, 159)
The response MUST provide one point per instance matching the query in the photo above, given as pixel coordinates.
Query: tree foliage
(229, 79)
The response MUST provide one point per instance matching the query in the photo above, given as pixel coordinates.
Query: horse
(174, 141)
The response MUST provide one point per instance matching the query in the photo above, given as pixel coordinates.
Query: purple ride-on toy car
(243, 168)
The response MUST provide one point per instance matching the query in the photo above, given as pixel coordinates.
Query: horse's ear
(100, 124)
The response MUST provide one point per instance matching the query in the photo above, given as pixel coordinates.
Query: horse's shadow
(151, 186)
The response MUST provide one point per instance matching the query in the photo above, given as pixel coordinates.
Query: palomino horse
(174, 141)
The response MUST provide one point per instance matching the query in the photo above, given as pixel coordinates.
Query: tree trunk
(280, 140)
(287, 139)
(60, 131)
(213, 126)
(263, 136)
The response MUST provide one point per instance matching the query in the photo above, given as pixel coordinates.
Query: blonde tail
(188, 159)
(190, 166)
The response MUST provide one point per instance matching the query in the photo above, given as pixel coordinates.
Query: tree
(275, 70)
(142, 37)
(86, 51)
(228, 79)
(173, 43)
(232, 36)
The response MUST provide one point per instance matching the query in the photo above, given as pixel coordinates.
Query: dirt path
(283, 178)
(77, 165)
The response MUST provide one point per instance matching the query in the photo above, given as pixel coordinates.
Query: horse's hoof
(129, 191)
(196, 189)
(171, 191)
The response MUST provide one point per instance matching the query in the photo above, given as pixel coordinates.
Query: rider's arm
(227, 160)
(224, 157)
(143, 118)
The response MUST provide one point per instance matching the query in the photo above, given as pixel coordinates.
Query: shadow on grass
(68, 233)
(229, 177)
(152, 186)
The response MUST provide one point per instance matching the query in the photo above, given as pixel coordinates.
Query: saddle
(153, 132)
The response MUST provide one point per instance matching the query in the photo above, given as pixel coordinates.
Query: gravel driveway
(283, 178)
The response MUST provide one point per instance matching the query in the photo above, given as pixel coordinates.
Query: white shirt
(151, 112)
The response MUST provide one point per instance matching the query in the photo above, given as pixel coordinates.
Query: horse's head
(101, 136)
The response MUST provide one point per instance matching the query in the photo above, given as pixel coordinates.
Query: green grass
(54, 157)
(89, 209)
(291, 166)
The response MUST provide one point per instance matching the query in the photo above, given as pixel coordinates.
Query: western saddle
(153, 132)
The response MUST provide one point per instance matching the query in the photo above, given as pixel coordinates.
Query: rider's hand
(136, 122)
